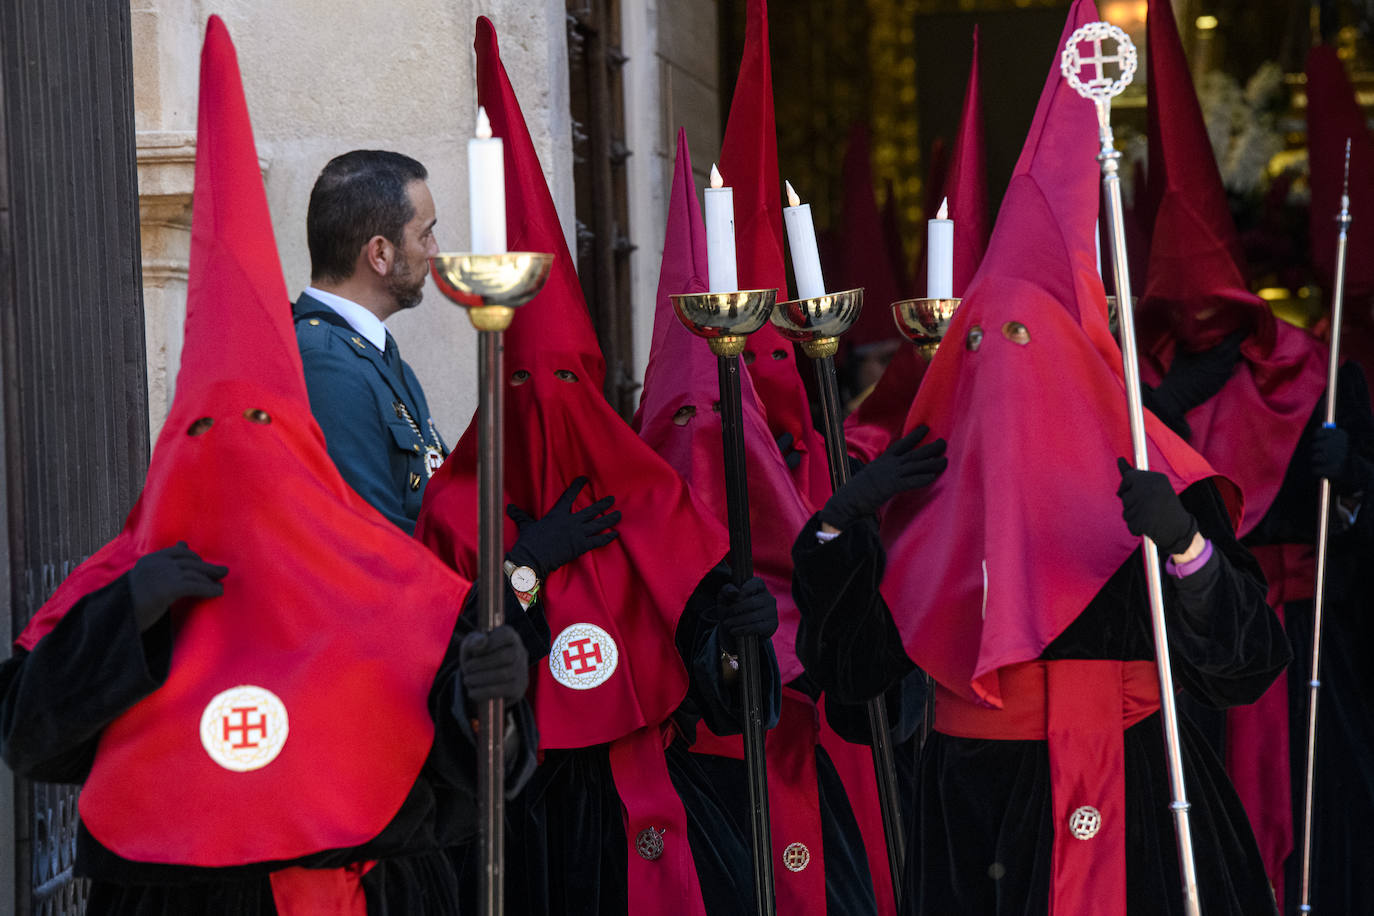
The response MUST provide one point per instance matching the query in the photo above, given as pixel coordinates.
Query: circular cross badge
(583, 656)
(796, 857)
(1085, 822)
(244, 728)
(649, 843)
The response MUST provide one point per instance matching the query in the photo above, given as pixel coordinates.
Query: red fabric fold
(320, 891)
(854, 764)
(649, 802)
(1258, 735)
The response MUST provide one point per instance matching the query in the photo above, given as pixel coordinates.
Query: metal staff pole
(816, 324)
(490, 286)
(1100, 89)
(1323, 520)
(725, 319)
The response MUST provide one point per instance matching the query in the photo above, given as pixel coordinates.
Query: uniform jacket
(377, 425)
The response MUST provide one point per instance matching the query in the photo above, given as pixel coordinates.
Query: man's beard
(406, 285)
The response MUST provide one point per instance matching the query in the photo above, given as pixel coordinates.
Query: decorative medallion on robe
(244, 728)
(583, 656)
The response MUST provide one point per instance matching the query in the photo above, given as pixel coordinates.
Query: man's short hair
(358, 195)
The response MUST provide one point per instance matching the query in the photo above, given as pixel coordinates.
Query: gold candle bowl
(725, 319)
(924, 321)
(491, 286)
(818, 322)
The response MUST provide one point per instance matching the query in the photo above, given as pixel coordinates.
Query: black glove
(163, 577)
(1334, 458)
(1151, 507)
(562, 535)
(787, 446)
(746, 610)
(494, 666)
(902, 467)
(1191, 380)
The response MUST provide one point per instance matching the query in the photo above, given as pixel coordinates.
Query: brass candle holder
(491, 286)
(924, 322)
(725, 319)
(818, 322)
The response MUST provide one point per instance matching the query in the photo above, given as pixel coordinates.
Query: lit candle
(801, 238)
(486, 189)
(720, 235)
(940, 254)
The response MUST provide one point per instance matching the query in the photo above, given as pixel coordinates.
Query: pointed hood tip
(559, 312)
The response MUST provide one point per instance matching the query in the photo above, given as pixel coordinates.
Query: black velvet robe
(566, 844)
(985, 832)
(56, 700)
(1343, 822)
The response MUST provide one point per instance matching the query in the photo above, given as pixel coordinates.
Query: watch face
(523, 579)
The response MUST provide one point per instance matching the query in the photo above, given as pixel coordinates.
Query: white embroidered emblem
(796, 857)
(244, 728)
(1085, 822)
(583, 656)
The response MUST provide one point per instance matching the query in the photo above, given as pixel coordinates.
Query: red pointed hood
(679, 416)
(240, 472)
(1333, 115)
(1194, 287)
(1195, 294)
(558, 426)
(864, 258)
(749, 164)
(871, 428)
(988, 565)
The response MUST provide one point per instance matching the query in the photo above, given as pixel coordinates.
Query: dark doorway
(74, 406)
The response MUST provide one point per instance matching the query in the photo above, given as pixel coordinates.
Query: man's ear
(379, 255)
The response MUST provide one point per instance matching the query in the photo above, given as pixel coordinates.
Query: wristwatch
(524, 581)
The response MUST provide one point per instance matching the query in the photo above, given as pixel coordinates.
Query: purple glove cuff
(1180, 570)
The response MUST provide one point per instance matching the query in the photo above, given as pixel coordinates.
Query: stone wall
(322, 77)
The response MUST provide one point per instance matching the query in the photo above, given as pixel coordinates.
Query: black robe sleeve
(453, 759)
(1226, 644)
(847, 639)
(714, 696)
(94, 665)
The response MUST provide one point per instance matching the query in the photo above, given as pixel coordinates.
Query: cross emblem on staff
(1099, 86)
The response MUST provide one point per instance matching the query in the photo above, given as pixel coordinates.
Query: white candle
(940, 254)
(486, 189)
(801, 239)
(720, 235)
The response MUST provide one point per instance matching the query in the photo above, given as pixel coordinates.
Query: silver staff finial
(1100, 87)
